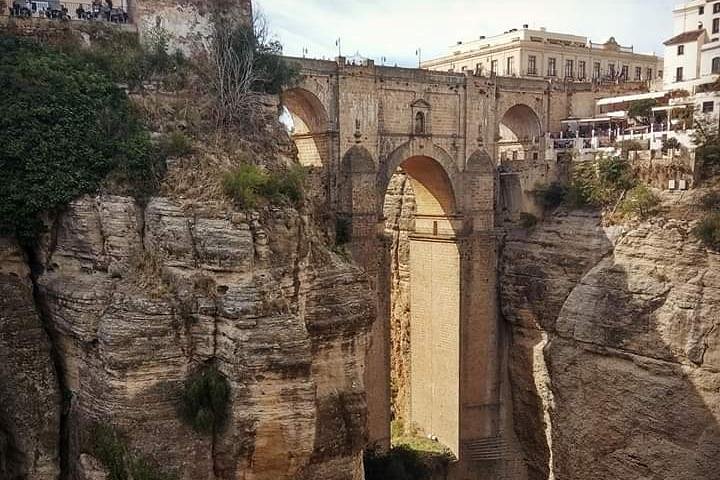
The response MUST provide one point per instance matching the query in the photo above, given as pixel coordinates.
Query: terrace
(95, 11)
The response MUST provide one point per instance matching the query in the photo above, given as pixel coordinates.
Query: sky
(396, 29)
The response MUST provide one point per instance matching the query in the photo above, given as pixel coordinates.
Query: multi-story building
(542, 54)
(692, 55)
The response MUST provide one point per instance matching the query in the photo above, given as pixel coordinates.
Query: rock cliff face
(137, 298)
(30, 407)
(399, 211)
(616, 347)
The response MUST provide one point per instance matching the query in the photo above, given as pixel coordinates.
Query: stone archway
(414, 359)
(519, 134)
(309, 127)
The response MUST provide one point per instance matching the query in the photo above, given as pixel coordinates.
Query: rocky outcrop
(30, 408)
(399, 211)
(136, 299)
(614, 361)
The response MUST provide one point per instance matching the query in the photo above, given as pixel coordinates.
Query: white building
(692, 55)
(542, 54)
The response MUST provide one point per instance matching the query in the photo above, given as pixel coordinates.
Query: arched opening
(519, 134)
(307, 122)
(419, 123)
(422, 286)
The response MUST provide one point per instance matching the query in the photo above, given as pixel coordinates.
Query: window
(581, 70)
(552, 67)
(681, 50)
(716, 8)
(596, 70)
(478, 69)
(716, 65)
(420, 123)
(716, 24)
(532, 65)
(569, 69)
(510, 67)
(611, 70)
(625, 73)
(648, 74)
(679, 74)
(708, 107)
(638, 74)
(493, 68)
(701, 10)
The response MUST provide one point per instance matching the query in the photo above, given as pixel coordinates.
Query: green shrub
(710, 201)
(248, 184)
(550, 196)
(708, 231)
(343, 230)
(599, 183)
(128, 60)
(640, 202)
(205, 400)
(285, 185)
(630, 146)
(641, 110)
(400, 463)
(121, 464)
(64, 126)
(615, 174)
(110, 449)
(670, 144)
(242, 185)
(175, 144)
(528, 220)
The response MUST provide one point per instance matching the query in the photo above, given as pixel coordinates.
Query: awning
(668, 108)
(631, 98)
(587, 120)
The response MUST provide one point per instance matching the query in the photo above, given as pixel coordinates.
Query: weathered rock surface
(614, 361)
(399, 211)
(136, 299)
(30, 406)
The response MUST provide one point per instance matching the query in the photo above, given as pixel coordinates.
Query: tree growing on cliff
(243, 63)
(205, 400)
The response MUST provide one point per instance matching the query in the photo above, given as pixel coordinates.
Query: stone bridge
(357, 126)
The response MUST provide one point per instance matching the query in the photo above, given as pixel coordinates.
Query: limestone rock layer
(135, 299)
(614, 361)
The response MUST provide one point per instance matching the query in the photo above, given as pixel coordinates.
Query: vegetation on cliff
(242, 63)
(708, 230)
(121, 463)
(64, 126)
(247, 185)
(206, 400)
(606, 183)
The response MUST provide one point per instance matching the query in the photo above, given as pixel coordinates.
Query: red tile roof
(686, 37)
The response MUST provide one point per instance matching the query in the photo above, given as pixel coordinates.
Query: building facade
(692, 55)
(542, 54)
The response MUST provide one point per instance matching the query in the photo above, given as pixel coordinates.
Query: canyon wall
(616, 347)
(125, 301)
